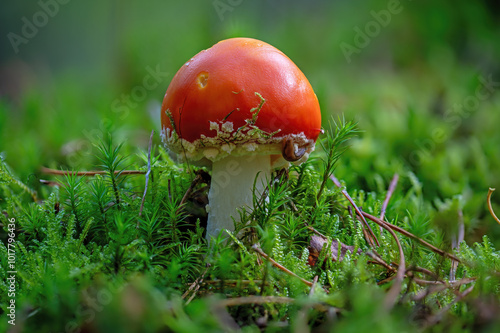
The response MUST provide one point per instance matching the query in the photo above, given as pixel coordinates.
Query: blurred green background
(412, 73)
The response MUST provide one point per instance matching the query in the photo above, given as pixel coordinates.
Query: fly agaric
(243, 107)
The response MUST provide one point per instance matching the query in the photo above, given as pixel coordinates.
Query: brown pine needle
(88, 173)
(358, 211)
(490, 192)
(378, 261)
(195, 285)
(409, 271)
(455, 243)
(254, 300)
(392, 295)
(315, 280)
(438, 316)
(382, 223)
(147, 176)
(301, 319)
(201, 177)
(315, 231)
(390, 191)
(438, 286)
(257, 249)
(410, 235)
(229, 282)
(320, 306)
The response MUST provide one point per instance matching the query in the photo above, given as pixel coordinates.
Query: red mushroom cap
(240, 92)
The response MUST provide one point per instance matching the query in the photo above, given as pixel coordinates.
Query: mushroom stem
(231, 188)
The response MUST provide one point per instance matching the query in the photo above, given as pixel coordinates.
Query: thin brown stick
(365, 233)
(147, 176)
(320, 306)
(195, 182)
(254, 300)
(490, 192)
(348, 197)
(398, 229)
(461, 227)
(228, 282)
(88, 173)
(423, 282)
(414, 269)
(301, 318)
(315, 280)
(292, 204)
(315, 231)
(412, 236)
(386, 280)
(378, 261)
(409, 272)
(455, 243)
(438, 316)
(201, 176)
(423, 271)
(418, 281)
(257, 249)
(442, 283)
(196, 284)
(197, 281)
(390, 191)
(439, 286)
(392, 294)
(169, 187)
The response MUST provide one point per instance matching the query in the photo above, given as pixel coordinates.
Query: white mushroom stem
(231, 188)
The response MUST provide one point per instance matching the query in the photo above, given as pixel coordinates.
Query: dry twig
(301, 325)
(490, 192)
(379, 261)
(254, 300)
(315, 280)
(257, 249)
(195, 285)
(272, 299)
(367, 226)
(400, 230)
(412, 236)
(147, 176)
(455, 243)
(201, 176)
(393, 293)
(229, 282)
(314, 230)
(88, 173)
(438, 286)
(438, 316)
(390, 191)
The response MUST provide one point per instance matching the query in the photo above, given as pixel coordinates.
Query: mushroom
(243, 108)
